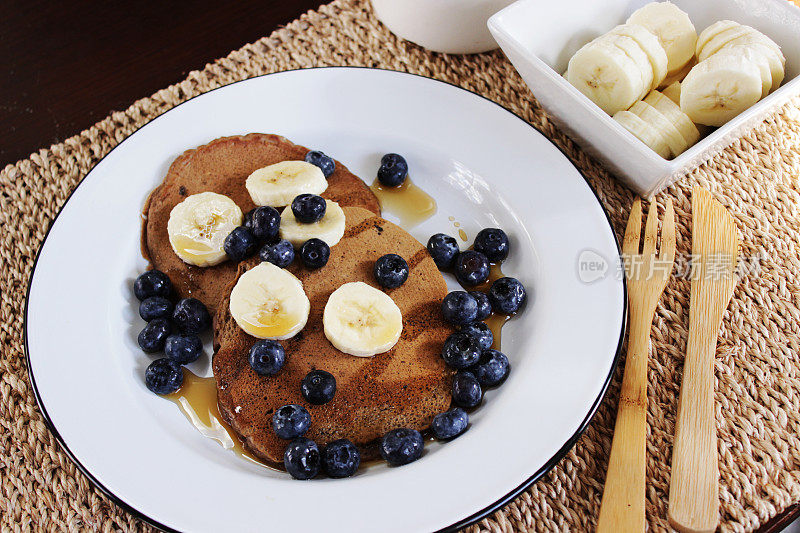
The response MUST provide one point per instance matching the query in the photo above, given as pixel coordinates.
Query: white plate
(485, 166)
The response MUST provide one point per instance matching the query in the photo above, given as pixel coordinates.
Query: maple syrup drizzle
(197, 400)
(408, 202)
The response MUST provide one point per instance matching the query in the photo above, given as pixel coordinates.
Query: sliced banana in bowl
(716, 43)
(721, 87)
(606, 75)
(712, 31)
(727, 34)
(361, 320)
(269, 302)
(277, 185)
(669, 133)
(673, 92)
(635, 52)
(197, 227)
(644, 132)
(651, 46)
(330, 228)
(674, 114)
(672, 27)
(678, 75)
(706, 79)
(759, 43)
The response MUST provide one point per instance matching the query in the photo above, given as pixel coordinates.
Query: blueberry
(493, 243)
(302, 458)
(341, 458)
(450, 424)
(484, 306)
(507, 295)
(461, 350)
(263, 222)
(163, 376)
(401, 446)
(444, 249)
(481, 333)
(152, 338)
(240, 243)
(155, 307)
(308, 208)
(390, 271)
(318, 387)
(393, 170)
(492, 368)
(291, 421)
(191, 316)
(315, 253)
(266, 357)
(280, 254)
(472, 268)
(152, 283)
(183, 349)
(459, 308)
(324, 162)
(466, 390)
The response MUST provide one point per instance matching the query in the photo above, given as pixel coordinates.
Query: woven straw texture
(758, 383)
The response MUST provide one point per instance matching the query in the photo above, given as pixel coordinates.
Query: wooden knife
(694, 485)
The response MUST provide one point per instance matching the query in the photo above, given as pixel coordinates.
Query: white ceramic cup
(449, 26)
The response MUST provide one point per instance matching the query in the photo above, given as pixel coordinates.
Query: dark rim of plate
(486, 511)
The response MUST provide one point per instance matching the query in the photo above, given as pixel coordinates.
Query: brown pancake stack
(222, 166)
(404, 387)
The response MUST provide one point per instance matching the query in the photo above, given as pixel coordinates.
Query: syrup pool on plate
(407, 202)
(197, 400)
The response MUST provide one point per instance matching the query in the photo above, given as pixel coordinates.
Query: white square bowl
(539, 38)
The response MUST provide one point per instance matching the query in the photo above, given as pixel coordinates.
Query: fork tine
(651, 230)
(668, 234)
(630, 245)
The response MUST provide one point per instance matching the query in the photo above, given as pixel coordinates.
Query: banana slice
(277, 185)
(721, 39)
(756, 37)
(606, 75)
(673, 92)
(678, 76)
(268, 302)
(197, 227)
(329, 228)
(673, 28)
(759, 56)
(759, 42)
(635, 52)
(711, 32)
(651, 46)
(721, 87)
(644, 132)
(669, 133)
(360, 320)
(678, 118)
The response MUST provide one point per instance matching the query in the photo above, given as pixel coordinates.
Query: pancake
(404, 387)
(222, 166)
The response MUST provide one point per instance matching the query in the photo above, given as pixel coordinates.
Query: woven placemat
(758, 386)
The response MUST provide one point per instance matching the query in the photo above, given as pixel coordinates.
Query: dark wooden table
(66, 65)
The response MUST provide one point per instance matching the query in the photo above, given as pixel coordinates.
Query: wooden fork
(622, 508)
